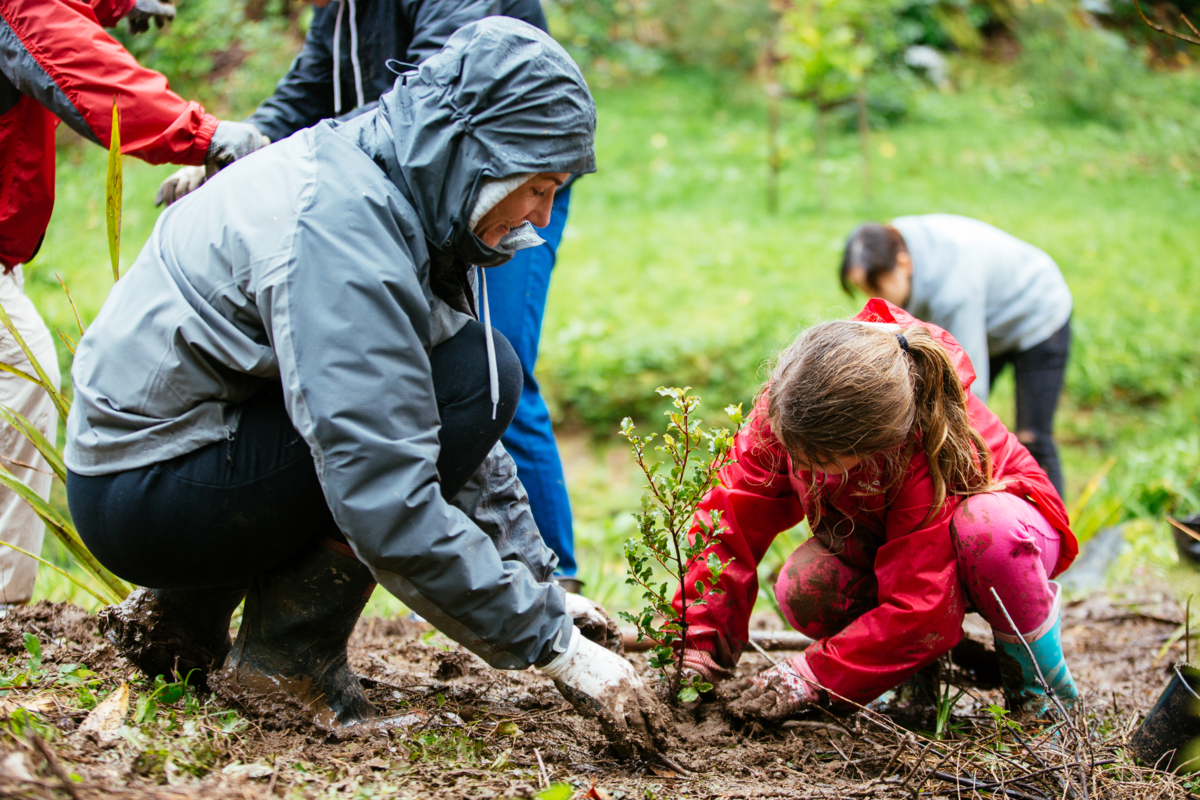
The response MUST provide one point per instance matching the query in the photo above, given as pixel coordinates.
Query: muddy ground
(480, 733)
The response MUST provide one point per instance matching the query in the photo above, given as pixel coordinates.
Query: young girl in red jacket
(920, 502)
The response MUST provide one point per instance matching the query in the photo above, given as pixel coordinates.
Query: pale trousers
(19, 524)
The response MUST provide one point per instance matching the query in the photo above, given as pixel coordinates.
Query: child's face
(836, 467)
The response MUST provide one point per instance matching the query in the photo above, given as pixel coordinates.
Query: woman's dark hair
(873, 248)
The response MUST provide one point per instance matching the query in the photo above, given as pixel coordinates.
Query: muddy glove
(778, 693)
(603, 685)
(187, 179)
(594, 623)
(231, 141)
(700, 663)
(145, 11)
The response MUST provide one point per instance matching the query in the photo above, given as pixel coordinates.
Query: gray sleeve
(967, 322)
(496, 501)
(348, 321)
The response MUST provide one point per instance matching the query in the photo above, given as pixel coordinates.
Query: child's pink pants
(1002, 540)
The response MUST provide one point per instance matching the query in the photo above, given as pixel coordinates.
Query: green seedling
(671, 539)
(944, 707)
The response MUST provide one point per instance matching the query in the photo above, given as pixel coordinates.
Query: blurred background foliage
(1069, 124)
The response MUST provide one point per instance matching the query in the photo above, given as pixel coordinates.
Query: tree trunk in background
(864, 138)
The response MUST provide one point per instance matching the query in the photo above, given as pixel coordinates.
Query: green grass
(672, 271)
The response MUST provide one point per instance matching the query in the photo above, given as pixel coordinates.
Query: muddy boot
(289, 661)
(168, 632)
(1022, 690)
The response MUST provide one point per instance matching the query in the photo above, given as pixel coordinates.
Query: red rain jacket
(921, 603)
(57, 63)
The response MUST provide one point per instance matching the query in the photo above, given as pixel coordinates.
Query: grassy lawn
(672, 271)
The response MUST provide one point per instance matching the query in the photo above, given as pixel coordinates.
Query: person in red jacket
(920, 502)
(58, 64)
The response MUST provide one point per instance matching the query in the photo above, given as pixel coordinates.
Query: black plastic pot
(1170, 736)
(1188, 547)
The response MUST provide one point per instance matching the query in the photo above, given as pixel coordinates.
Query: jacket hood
(500, 98)
(881, 311)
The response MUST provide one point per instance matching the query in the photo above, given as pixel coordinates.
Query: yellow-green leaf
(112, 193)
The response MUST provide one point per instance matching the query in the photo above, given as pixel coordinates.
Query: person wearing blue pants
(517, 299)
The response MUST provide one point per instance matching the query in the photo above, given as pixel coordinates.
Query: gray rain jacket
(318, 262)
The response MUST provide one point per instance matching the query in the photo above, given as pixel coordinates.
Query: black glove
(231, 141)
(145, 10)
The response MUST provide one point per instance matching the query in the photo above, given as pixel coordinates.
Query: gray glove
(231, 141)
(144, 11)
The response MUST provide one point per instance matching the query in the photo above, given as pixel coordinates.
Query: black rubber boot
(289, 663)
(173, 632)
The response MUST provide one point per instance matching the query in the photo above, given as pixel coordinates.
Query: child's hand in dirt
(778, 693)
(594, 623)
(603, 685)
(701, 663)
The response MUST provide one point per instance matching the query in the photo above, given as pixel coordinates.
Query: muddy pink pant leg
(820, 593)
(1004, 541)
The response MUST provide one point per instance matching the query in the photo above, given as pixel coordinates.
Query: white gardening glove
(187, 179)
(594, 623)
(601, 684)
(782, 691)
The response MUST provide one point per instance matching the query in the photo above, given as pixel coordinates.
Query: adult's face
(895, 285)
(529, 202)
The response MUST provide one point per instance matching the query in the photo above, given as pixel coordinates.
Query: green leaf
(31, 432)
(557, 791)
(145, 710)
(688, 694)
(113, 190)
(33, 646)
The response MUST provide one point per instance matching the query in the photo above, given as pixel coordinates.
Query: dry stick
(763, 653)
(971, 783)
(542, 770)
(68, 785)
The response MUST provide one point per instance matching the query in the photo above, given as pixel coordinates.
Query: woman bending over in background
(1004, 300)
(920, 502)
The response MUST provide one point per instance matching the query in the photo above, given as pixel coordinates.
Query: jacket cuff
(565, 642)
(203, 138)
(110, 12)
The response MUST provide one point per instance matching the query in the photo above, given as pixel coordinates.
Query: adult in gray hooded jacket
(288, 398)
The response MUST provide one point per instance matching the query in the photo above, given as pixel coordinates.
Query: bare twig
(69, 786)
(1161, 29)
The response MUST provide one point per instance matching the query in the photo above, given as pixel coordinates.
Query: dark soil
(475, 732)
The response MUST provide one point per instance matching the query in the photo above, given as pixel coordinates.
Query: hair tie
(900, 337)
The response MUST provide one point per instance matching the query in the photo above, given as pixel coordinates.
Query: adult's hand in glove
(601, 684)
(187, 179)
(146, 11)
(594, 623)
(778, 693)
(230, 141)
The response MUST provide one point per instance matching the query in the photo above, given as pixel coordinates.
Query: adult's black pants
(1039, 373)
(219, 515)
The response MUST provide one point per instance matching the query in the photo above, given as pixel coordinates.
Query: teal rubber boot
(1022, 690)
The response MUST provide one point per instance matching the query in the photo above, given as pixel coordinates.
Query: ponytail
(960, 462)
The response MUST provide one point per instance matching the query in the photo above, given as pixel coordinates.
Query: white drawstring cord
(493, 372)
(337, 60)
(358, 90)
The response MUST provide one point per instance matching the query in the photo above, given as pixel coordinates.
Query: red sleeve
(110, 12)
(757, 503)
(71, 66)
(921, 603)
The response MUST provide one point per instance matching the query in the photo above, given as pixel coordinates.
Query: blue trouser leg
(517, 299)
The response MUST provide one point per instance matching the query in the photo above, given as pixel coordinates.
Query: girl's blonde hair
(853, 389)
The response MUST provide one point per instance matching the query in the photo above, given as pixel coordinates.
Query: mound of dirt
(472, 731)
